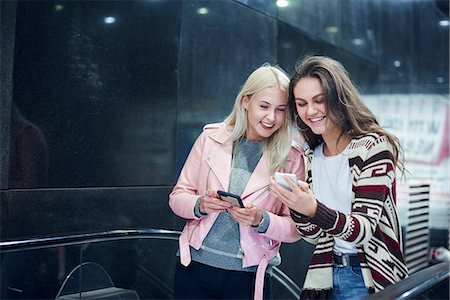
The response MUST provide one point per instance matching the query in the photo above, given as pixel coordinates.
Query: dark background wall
(102, 100)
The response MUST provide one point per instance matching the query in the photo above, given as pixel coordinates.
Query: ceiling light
(282, 3)
(444, 23)
(440, 79)
(202, 11)
(109, 20)
(332, 29)
(358, 42)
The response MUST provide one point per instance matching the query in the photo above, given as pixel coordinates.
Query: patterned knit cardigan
(373, 224)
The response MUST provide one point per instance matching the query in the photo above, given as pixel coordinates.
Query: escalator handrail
(76, 239)
(416, 284)
(104, 236)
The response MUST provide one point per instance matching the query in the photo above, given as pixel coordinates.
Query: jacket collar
(221, 135)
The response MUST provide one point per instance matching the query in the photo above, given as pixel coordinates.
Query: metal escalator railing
(77, 239)
(113, 235)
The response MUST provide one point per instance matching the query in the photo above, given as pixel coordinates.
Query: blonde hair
(343, 102)
(279, 143)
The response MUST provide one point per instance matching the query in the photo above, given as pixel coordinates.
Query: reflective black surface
(70, 211)
(132, 265)
(98, 80)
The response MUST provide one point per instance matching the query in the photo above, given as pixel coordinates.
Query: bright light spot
(59, 7)
(286, 45)
(358, 42)
(282, 3)
(332, 29)
(397, 63)
(444, 23)
(440, 79)
(110, 20)
(202, 11)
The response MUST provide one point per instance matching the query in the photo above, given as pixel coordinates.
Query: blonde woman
(226, 251)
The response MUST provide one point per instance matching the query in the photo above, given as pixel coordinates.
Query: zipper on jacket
(261, 193)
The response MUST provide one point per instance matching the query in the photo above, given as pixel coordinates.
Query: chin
(317, 132)
(265, 136)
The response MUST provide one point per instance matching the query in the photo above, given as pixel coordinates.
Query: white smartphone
(279, 177)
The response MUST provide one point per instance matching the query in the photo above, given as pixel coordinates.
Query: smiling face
(266, 111)
(311, 105)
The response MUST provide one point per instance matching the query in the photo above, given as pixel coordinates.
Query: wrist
(260, 218)
(199, 210)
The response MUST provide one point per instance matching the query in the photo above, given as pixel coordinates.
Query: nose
(271, 116)
(311, 109)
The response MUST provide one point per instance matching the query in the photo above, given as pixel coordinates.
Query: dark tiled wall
(99, 94)
(102, 100)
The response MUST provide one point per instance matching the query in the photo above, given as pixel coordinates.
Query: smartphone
(231, 198)
(279, 177)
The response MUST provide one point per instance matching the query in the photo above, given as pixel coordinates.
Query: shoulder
(212, 126)
(369, 141)
(216, 131)
(297, 150)
(298, 146)
(371, 148)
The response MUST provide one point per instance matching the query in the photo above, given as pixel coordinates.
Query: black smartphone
(231, 198)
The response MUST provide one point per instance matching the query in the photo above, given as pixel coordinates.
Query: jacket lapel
(259, 178)
(219, 160)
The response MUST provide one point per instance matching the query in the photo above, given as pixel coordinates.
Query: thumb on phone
(304, 187)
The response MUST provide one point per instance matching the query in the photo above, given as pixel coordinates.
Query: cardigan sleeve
(308, 230)
(373, 183)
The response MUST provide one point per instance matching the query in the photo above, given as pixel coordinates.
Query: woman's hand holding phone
(211, 203)
(248, 216)
(280, 178)
(296, 195)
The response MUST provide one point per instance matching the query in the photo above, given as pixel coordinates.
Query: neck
(334, 146)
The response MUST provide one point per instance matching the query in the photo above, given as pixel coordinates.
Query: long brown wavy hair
(343, 101)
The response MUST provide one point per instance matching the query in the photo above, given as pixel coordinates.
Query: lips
(267, 125)
(315, 120)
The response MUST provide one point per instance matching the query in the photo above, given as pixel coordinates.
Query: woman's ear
(245, 101)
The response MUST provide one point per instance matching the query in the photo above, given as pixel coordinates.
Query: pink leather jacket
(208, 167)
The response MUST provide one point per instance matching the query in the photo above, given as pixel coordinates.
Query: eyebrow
(268, 103)
(318, 95)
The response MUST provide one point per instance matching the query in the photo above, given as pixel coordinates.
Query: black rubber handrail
(113, 235)
(416, 284)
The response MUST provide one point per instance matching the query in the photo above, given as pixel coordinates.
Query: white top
(333, 187)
